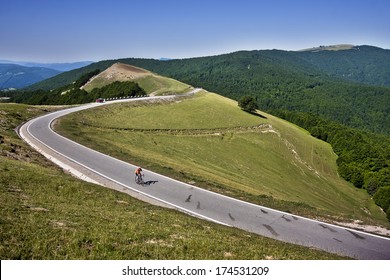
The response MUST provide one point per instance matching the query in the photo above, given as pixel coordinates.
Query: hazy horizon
(24, 63)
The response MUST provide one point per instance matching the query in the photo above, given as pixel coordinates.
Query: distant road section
(98, 168)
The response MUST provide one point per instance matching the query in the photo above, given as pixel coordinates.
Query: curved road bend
(202, 203)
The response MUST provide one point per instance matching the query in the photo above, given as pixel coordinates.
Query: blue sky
(69, 30)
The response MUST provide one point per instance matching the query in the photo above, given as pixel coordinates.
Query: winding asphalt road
(89, 164)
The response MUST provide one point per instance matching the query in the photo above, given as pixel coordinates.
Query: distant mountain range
(56, 66)
(13, 76)
(16, 75)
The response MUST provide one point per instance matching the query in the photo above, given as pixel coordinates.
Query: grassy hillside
(47, 214)
(208, 140)
(340, 47)
(153, 84)
(119, 80)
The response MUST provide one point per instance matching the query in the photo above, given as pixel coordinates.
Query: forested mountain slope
(362, 64)
(294, 81)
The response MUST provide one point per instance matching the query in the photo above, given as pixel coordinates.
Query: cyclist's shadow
(148, 183)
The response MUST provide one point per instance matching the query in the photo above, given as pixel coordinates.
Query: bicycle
(139, 180)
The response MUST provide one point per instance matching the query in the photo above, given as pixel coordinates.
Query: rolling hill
(153, 84)
(317, 82)
(117, 72)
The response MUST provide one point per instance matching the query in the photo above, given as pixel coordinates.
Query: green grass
(209, 111)
(151, 83)
(161, 86)
(208, 140)
(47, 214)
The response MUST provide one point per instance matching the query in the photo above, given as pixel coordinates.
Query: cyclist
(139, 174)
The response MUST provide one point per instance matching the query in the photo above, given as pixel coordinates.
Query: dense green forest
(362, 64)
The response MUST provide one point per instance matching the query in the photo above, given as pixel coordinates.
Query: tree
(372, 186)
(382, 198)
(248, 104)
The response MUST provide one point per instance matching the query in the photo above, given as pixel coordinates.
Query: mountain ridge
(13, 76)
(60, 66)
(19, 74)
(302, 58)
(329, 48)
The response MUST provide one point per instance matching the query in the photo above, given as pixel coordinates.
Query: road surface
(96, 167)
